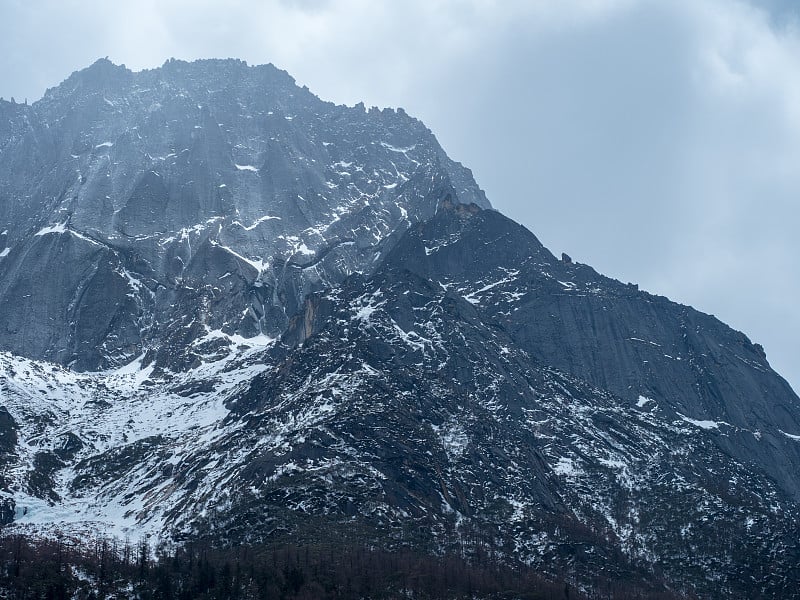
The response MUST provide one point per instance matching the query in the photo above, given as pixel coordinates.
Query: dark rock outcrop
(640, 347)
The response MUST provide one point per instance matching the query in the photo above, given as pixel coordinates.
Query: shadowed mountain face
(336, 336)
(646, 350)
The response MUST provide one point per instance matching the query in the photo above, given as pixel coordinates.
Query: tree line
(61, 567)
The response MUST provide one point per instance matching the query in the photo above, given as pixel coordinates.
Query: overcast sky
(658, 141)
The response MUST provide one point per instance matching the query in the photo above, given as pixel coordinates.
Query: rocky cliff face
(326, 331)
(130, 200)
(646, 350)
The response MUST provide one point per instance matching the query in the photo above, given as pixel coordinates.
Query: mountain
(212, 189)
(236, 313)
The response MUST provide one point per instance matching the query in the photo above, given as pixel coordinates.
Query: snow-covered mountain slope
(96, 450)
(395, 405)
(269, 317)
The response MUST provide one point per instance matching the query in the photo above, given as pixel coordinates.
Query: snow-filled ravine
(68, 422)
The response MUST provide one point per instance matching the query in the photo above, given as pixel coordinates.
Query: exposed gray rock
(137, 176)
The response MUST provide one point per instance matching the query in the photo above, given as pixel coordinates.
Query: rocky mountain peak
(159, 179)
(234, 312)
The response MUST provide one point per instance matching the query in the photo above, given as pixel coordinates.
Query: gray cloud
(657, 141)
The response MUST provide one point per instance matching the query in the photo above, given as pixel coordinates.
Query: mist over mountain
(236, 313)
